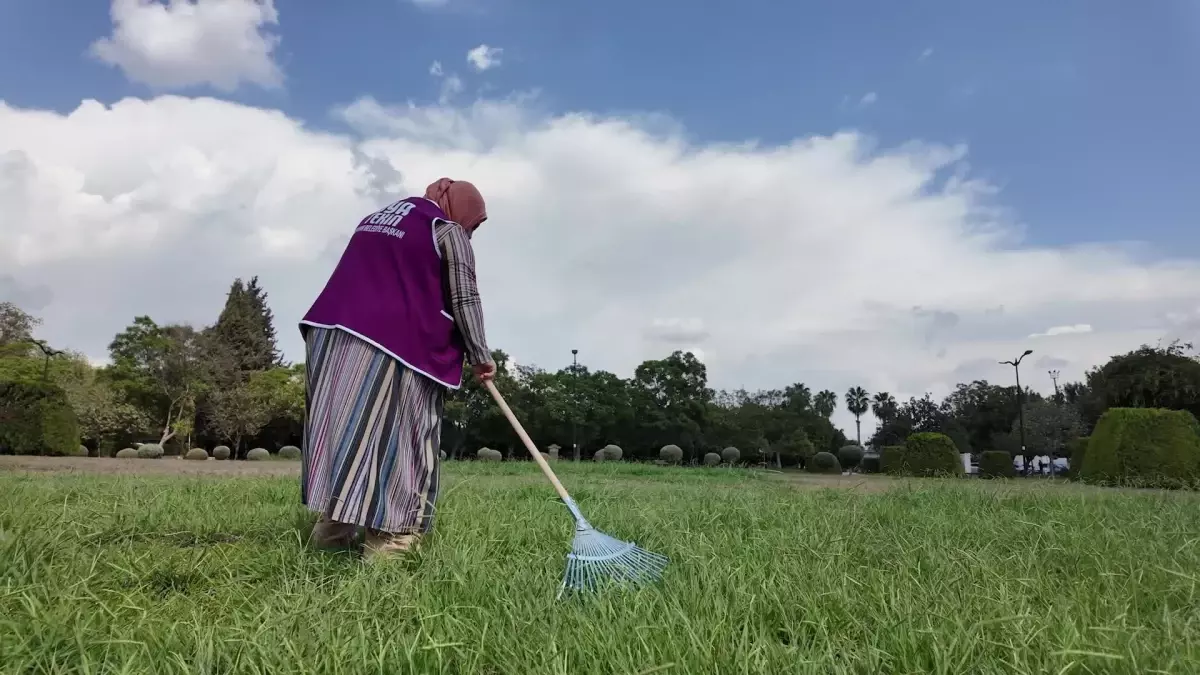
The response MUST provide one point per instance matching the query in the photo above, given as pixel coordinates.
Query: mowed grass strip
(108, 574)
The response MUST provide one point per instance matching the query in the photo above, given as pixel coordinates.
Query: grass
(107, 574)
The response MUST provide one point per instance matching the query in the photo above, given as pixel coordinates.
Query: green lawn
(106, 574)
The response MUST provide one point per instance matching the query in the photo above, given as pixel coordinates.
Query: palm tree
(825, 403)
(858, 403)
(884, 406)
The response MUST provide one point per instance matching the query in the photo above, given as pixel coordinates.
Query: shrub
(1143, 447)
(221, 452)
(442, 455)
(849, 456)
(996, 464)
(1076, 451)
(289, 452)
(83, 451)
(712, 459)
(126, 453)
(891, 460)
(599, 456)
(824, 462)
(671, 454)
(489, 455)
(869, 464)
(149, 451)
(36, 419)
(612, 453)
(199, 454)
(258, 455)
(924, 454)
(731, 455)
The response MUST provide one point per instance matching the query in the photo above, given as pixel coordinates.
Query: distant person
(384, 341)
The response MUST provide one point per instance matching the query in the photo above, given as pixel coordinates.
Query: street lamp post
(575, 403)
(1058, 402)
(1016, 364)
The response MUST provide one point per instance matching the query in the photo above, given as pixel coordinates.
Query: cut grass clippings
(156, 574)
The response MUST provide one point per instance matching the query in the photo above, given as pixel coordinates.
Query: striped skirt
(372, 431)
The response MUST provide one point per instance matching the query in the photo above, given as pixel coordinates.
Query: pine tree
(245, 329)
(258, 300)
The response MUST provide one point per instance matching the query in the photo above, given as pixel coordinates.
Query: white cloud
(868, 98)
(926, 53)
(430, 4)
(188, 43)
(435, 69)
(826, 260)
(1073, 329)
(484, 57)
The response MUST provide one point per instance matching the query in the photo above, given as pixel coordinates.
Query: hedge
(924, 454)
(1077, 450)
(36, 419)
(996, 464)
(869, 464)
(1143, 447)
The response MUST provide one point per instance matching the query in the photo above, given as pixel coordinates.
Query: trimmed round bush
(442, 455)
(671, 454)
(489, 455)
(731, 455)
(1143, 447)
(289, 452)
(924, 454)
(824, 462)
(612, 453)
(712, 459)
(599, 456)
(198, 454)
(1076, 451)
(891, 459)
(869, 464)
(850, 456)
(149, 451)
(126, 453)
(996, 464)
(221, 452)
(258, 455)
(83, 451)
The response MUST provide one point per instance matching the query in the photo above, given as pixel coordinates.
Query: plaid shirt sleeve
(461, 291)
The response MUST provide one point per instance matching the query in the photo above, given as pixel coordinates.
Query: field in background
(183, 573)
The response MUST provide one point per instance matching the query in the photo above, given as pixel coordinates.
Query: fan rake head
(597, 559)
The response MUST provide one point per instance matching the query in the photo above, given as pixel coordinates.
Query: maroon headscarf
(460, 200)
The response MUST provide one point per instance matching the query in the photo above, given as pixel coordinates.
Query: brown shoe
(385, 545)
(330, 534)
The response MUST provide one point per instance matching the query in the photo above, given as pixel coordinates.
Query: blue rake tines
(597, 559)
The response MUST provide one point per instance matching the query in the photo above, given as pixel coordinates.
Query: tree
(883, 405)
(676, 395)
(160, 369)
(16, 329)
(858, 403)
(825, 403)
(238, 412)
(245, 329)
(1049, 427)
(1147, 377)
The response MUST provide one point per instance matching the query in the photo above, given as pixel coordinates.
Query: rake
(595, 557)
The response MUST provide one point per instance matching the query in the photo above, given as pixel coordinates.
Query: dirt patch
(165, 466)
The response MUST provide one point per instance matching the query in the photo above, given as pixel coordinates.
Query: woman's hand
(484, 371)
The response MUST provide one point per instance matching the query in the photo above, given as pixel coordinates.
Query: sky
(889, 195)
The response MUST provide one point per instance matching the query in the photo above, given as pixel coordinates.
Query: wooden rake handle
(533, 451)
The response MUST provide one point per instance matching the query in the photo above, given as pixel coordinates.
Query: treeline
(226, 384)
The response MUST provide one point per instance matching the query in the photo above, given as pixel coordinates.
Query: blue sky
(835, 252)
(1082, 112)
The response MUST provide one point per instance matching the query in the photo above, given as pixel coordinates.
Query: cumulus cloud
(1064, 330)
(187, 43)
(795, 262)
(484, 57)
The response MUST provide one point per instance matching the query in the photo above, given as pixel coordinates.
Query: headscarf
(460, 201)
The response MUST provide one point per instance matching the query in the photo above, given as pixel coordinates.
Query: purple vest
(387, 290)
